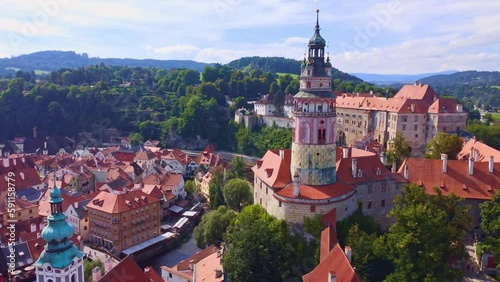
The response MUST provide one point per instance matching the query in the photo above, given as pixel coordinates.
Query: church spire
(316, 28)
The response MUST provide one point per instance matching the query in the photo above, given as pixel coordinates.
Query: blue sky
(371, 36)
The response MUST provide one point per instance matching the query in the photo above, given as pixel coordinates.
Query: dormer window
(360, 173)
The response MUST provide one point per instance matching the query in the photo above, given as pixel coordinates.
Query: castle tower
(60, 260)
(314, 117)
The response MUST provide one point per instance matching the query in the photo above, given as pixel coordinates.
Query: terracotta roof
(206, 268)
(68, 199)
(482, 152)
(371, 169)
(16, 164)
(22, 179)
(184, 265)
(417, 91)
(323, 192)
(145, 156)
(337, 263)
(125, 270)
(265, 100)
(19, 204)
(165, 181)
(273, 170)
(175, 154)
(429, 174)
(328, 240)
(444, 105)
(152, 274)
(124, 156)
(117, 203)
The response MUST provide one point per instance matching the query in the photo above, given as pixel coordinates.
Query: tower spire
(316, 29)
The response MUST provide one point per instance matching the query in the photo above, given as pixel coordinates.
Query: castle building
(60, 261)
(315, 176)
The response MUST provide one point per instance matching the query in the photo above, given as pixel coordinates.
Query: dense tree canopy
(444, 143)
(399, 149)
(429, 232)
(237, 194)
(490, 223)
(212, 227)
(259, 247)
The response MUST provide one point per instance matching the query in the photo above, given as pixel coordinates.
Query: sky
(368, 36)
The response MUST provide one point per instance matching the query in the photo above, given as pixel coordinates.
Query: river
(172, 257)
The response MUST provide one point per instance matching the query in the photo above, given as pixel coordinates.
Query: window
(384, 188)
(260, 201)
(31, 211)
(415, 127)
(19, 214)
(369, 206)
(85, 228)
(312, 208)
(404, 118)
(416, 135)
(404, 127)
(170, 275)
(416, 118)
(279, 204)
(370, 189)
(382, 204)
(267, 189)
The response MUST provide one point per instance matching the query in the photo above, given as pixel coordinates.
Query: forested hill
(480, 88)
(55, 60)
(282, 65)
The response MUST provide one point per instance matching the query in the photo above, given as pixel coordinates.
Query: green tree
(88, 266)
(215, 188)
(428, 232)
(237, 194)
(135, 139)
(490, 223)
(190, 187)
(212, 227)
(237, 165)
(399, 149)
(444, 143)
(259, 247)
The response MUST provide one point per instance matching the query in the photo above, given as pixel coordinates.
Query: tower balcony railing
(314, 114)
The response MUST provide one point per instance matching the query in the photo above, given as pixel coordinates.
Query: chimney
(35, 132)
(81, 169)
(383, 158)
(96, 274)
(33, 227)
(42, 225)
(191, 264)
(491, 164)
(282, 154)
(6, 162)
(75, 205)
(296, 184)
(471, 166)
(460, 108)
(444, 158)
(218, 273)
(108, 265)
(22, 175)
(23, 160)
(412, 107)
(354, 168)
(38, 235)
(371, 92)
(348, 252)
(345, 152)
(14, 161)
(407, 173)
(394, 166)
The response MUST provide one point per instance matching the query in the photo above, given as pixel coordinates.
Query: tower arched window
(308, 85)
(73, 278)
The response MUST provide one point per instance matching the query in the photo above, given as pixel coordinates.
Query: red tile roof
(273, 170)
(174, 154)
(482, 152)
(371, 169)
(124, 156)
(22, 179)
(336, 262)
(328, 240)
(444, 105)
(417, 91)
(323, 192)
(145, 156)
(126, 269)
(16, 164)
(117, 203)
(68, 199)
(206, 268)
(429, 174)
(152, 274)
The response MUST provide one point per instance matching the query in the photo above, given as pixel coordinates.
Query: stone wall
(283, 122)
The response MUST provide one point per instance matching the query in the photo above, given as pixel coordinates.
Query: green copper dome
(59, 251)
(317, 39)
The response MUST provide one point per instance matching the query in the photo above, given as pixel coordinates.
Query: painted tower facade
(314, 117)
(60, 261)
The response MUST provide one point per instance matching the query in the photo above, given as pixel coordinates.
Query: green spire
(317, 39)
(59, 251)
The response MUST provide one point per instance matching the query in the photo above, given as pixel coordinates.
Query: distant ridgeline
(55, 60)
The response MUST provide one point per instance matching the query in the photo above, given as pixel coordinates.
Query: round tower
(314, 118)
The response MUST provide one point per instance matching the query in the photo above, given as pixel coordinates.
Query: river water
(172, 257)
